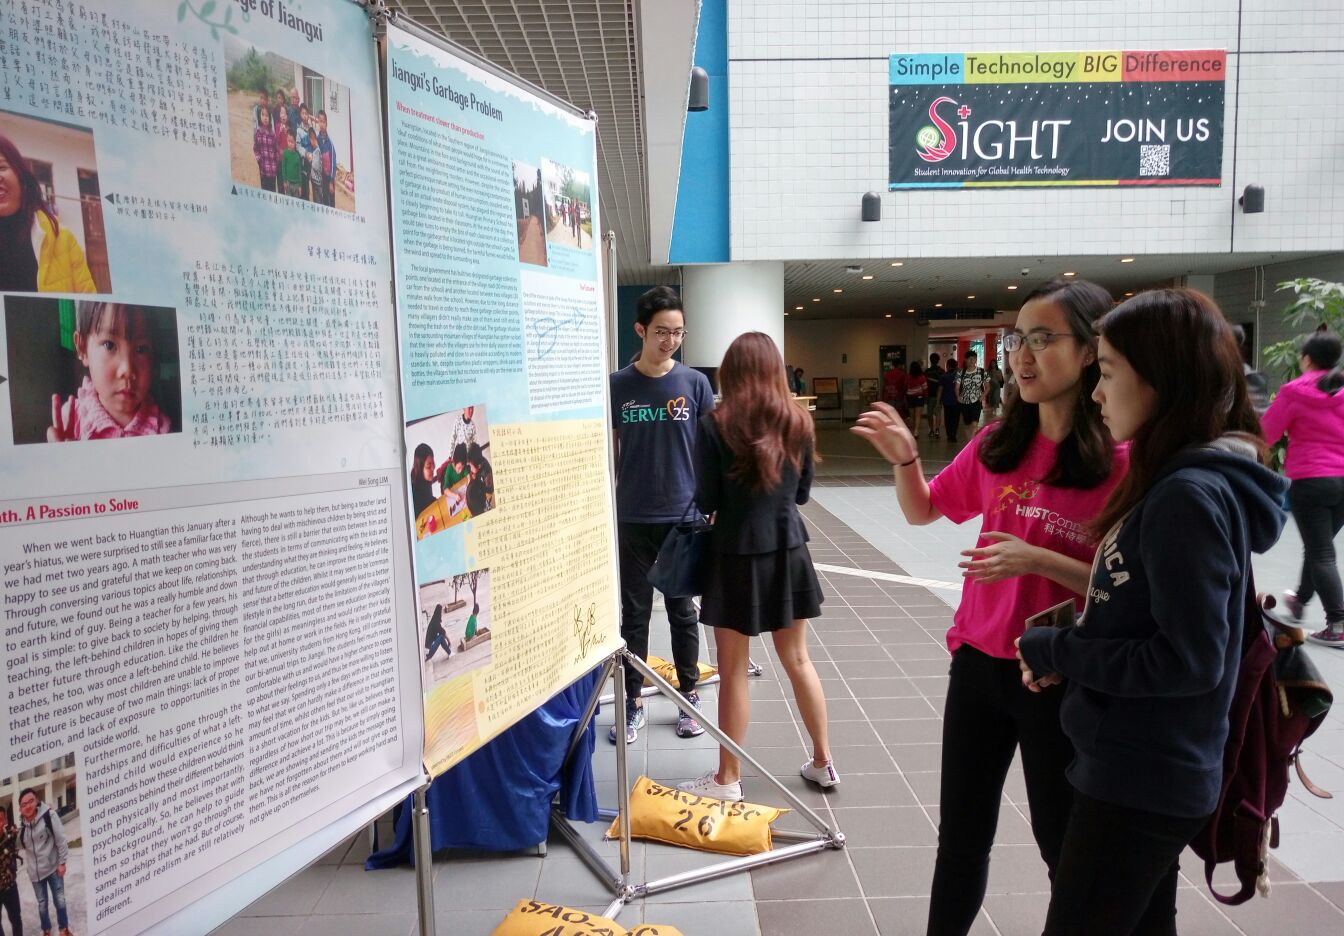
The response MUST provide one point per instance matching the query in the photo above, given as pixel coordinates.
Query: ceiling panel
(583, 51)
(920, 283)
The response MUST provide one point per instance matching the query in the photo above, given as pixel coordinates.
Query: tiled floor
(879, 650)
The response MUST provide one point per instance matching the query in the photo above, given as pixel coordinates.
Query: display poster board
(504, 376)
(1093, 118)
(202, 532)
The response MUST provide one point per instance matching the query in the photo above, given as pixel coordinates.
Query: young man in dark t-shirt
(655, 404)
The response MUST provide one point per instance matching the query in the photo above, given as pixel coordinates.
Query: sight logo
(939, 141)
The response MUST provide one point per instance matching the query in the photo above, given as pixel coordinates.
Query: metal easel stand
(424, 861)
(622, 887)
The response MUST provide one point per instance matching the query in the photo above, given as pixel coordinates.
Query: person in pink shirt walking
(1035, 479)
(1311, 410)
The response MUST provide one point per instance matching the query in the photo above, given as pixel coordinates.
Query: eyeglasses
(1036, 341)
(662, 334)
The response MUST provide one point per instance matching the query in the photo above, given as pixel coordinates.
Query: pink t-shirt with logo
(991, 616)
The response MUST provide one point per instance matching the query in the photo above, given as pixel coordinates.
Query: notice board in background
(210, 658)
(1095, 118)
(504, 375)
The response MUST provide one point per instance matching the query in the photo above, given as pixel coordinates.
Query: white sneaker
(707, 786)
(822, 776)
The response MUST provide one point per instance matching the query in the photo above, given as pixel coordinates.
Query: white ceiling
(921, 282)
(586, 52)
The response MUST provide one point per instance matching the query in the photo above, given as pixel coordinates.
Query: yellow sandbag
(668, 670)
(535, 918)
(666, 814)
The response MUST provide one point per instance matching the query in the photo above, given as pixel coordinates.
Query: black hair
(916, 369)
(1085, 456)
(1324, 350)
(935, 357)
(658, 299)
(25, 791)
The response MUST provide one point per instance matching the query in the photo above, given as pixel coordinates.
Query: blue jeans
(436, 643)
(57, 886)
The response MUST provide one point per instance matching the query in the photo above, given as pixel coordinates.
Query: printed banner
(1003, 119)
(201, 527)
(500, 310)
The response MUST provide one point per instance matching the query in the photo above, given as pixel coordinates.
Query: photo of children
(529, 208)
(89, 369)
(569, 219)
(42, 865)
(455, 625)
(289, 128)
(51, 213)
(451, 478)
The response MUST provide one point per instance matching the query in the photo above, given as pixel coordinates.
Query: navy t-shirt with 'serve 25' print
(654, 420)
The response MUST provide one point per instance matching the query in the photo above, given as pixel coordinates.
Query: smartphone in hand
(1064, 614)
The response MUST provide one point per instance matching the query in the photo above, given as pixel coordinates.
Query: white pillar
(724, 300)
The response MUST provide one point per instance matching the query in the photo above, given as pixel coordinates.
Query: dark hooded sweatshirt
(1153, 665)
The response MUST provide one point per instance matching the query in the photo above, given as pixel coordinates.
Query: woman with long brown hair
(754, 465)
(37, 254)
(1152, 674)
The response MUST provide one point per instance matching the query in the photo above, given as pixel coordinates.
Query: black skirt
(759, 593)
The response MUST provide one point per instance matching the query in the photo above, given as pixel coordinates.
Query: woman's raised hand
(63, 428)
(888, 433)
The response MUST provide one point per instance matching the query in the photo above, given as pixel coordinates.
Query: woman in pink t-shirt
(1311, 410)
(1036, 479)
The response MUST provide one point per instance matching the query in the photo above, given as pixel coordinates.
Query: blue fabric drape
(499, 798)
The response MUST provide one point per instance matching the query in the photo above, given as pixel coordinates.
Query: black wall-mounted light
(872, 206)
(698, 100)
(1252, 199)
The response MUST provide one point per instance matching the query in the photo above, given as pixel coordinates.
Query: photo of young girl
(91, 370)
(462, 485)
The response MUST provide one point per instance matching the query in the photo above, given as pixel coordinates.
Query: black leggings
(1318, 510)
(988, 714)
(10, 899)
(1118, 870)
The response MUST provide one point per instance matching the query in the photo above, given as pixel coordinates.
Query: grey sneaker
(634, 720)
(1292, 606)
(1331, 636)
(707, 786)
(688, 727)
(754, 668)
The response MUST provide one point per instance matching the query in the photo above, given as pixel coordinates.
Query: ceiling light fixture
(898, 263)
(816, 299)
(1070, 274)
(1012, 286)
(911, 311)
(797, 308)
(937, 305)
(888, 315)
(868, 276)
(971, 296)
(837, 290)
(1126, 259)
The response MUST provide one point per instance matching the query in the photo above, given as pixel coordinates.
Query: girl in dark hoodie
(1152, 668)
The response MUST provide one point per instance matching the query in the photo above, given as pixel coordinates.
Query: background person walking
(1311, 410)
(754, 465)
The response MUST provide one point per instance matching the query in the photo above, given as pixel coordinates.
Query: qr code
(1155, 160)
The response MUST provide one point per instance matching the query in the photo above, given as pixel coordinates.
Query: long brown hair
(1085, 456)
(760, 422)
(1199, 397)
(31, 199)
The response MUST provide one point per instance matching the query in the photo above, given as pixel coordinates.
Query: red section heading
(1188, 65)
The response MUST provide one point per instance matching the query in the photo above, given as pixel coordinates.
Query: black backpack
(1279, 701)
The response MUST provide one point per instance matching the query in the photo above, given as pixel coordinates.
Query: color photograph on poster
(42, 846)
(1014, 119)
(451, 478)
(289, 127)
(49, 188)
(569, 216)
(81, 370)
(455, 625)
(529, 208)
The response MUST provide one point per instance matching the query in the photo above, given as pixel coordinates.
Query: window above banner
(1027, 119)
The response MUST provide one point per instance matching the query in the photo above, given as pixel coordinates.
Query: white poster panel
(504, 375)
(207, 603)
